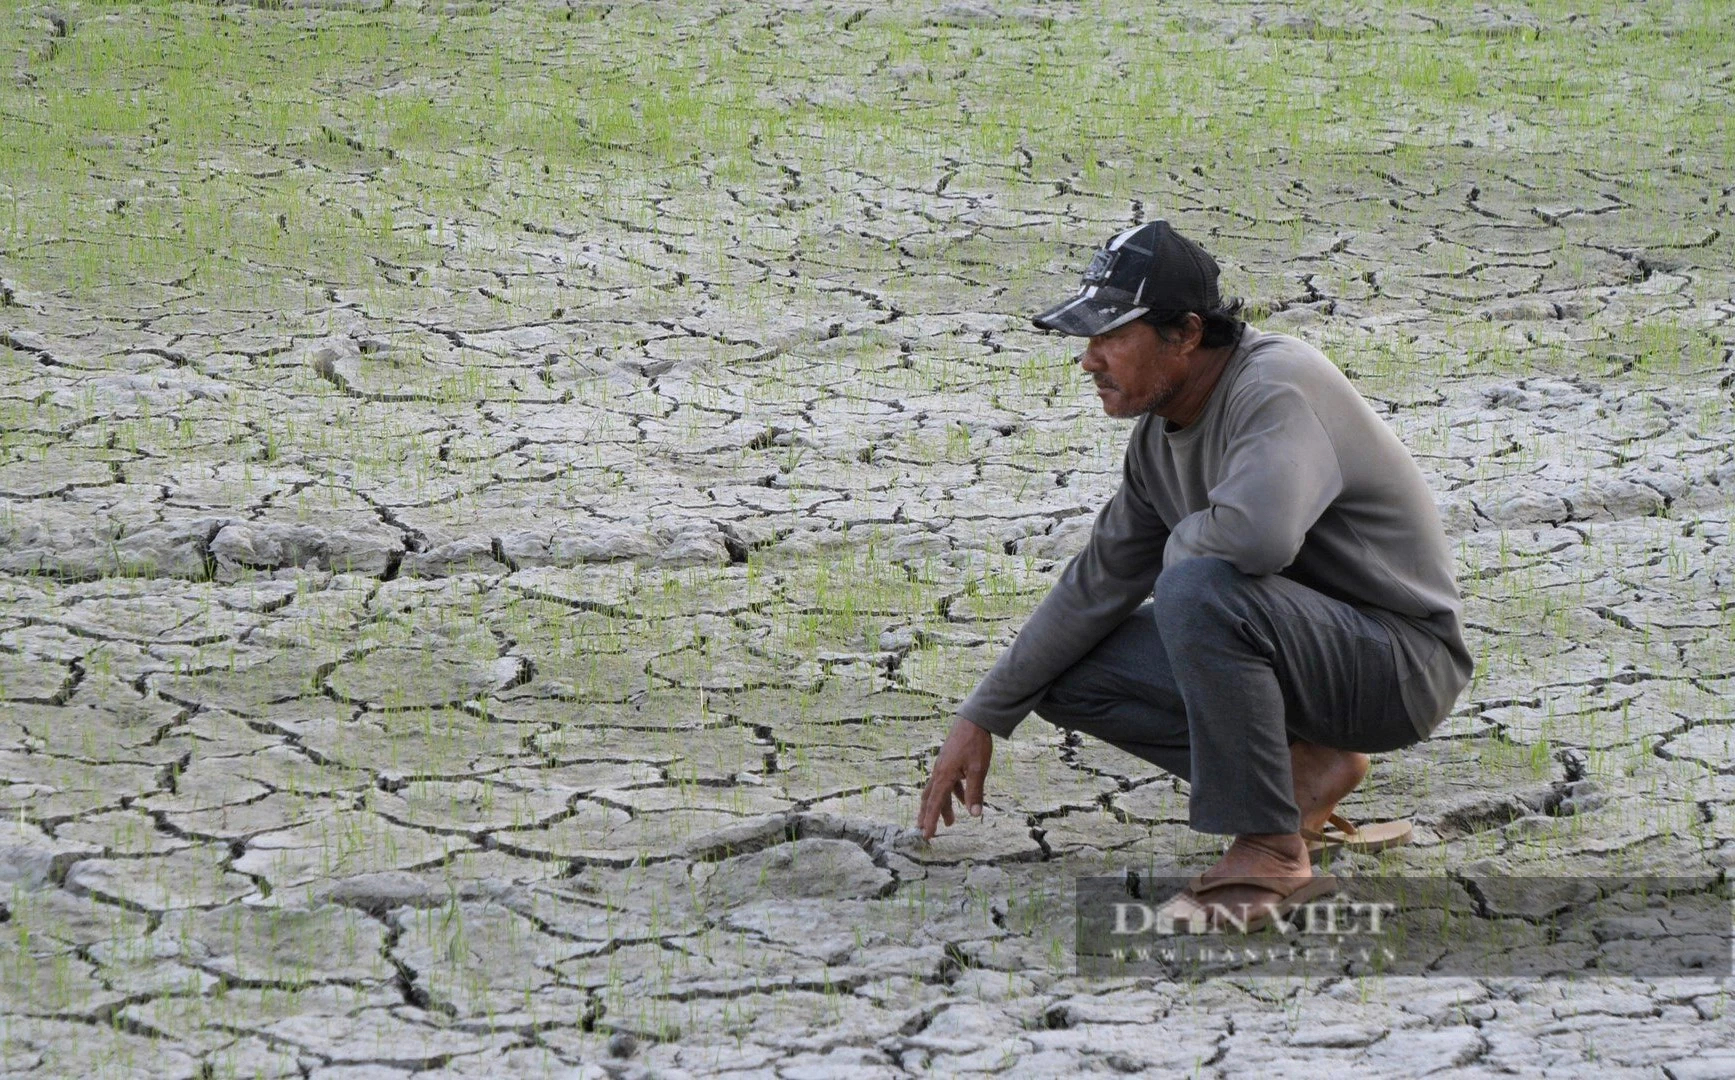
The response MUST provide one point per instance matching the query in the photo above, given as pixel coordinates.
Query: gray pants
(1219, 673)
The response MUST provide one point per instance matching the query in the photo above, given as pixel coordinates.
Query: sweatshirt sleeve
(1099, 588)
(1279, 474)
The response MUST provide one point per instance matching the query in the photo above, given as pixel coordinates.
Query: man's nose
(1089, 360)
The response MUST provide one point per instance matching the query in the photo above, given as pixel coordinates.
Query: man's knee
(1074, 700)
(1194, 585)
(1203, 602)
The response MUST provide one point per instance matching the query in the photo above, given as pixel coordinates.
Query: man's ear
(1195, 329)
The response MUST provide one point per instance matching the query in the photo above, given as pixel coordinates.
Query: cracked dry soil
(508, 638)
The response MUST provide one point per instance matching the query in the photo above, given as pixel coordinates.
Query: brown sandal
(1291, 893)
(1343, 835)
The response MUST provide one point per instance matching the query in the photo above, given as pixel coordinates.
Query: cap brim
(1087, 316)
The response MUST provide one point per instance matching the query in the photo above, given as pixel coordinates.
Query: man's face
(1135, 370)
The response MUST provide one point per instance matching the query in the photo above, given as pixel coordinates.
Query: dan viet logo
(1483, 925)
(1330, 918)
(1316, 933)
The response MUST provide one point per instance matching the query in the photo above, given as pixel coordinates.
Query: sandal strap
(1346, 831)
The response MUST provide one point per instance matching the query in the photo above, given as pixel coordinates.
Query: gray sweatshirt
(1287, 470)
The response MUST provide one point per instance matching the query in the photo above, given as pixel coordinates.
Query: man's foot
(1323, 777)
(1282, 857)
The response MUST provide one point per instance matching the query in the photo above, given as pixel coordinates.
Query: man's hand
(958, 772)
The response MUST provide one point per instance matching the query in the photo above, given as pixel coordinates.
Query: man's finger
(972, 796)
(925, 814)
(930, 819)
(936, 803)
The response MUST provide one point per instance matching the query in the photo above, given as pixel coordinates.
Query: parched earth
(506, 635)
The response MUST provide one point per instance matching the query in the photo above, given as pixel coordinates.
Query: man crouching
(1267, 599)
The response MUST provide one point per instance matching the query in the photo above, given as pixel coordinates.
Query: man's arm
(1099, 588)
(1279, 474)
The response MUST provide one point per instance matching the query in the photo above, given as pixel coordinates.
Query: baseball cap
(1146, 268)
